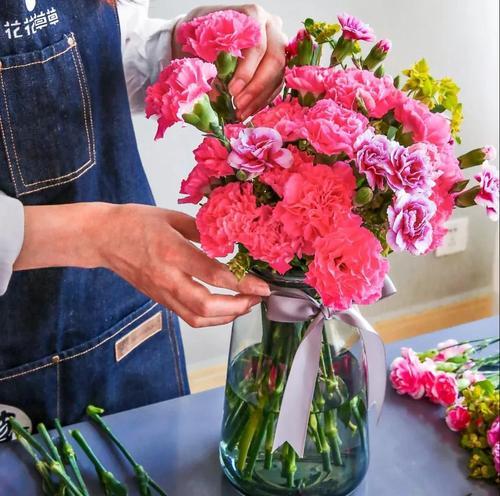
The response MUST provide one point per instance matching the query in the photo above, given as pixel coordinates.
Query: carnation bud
(477, 157)
(377, 54)
(467, 198)
(363, 196)
(202, 116)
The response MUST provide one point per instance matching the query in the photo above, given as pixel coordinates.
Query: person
(93, 275)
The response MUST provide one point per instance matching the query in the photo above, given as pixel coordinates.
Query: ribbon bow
(293, 305)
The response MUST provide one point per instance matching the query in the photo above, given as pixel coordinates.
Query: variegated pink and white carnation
(340, 170)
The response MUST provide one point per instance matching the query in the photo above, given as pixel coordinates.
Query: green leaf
(486, 385)
(391, 132)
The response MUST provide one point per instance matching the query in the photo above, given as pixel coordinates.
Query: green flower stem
(246, 439)
(111, 486)
(268, 455)
(332, 433)
(69, 454)
(48, 486)
(235, 434)
(142, 476)
(359, 421)
(255, 446)
(42, 430)
(291, 467)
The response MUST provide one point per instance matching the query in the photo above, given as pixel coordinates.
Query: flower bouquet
(314, 191)
(455, 376)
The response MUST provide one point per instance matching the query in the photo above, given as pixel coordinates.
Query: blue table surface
(412, 451)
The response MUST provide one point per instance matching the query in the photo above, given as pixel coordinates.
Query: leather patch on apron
(137, 336)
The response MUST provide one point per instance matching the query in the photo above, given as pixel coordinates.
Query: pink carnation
(348, 267)
(373, 157)
(490, 152)
(314, 200)
(211, 158)
(493, 434)
(422, 123)
(440, 387)
(287, 117)
(451, 348)
(378, 94)
(180, 86)
(223, 31)
(410, 227)
(332, 129)
(354, 29)
(473, 377)
(258, 149)
(458, 418)
(406, 374)
(489, 185)
(270, 241)
(412, 169)
(495, 453)
(292, 49)
(230, 211)
(278, 177)
(308, 79)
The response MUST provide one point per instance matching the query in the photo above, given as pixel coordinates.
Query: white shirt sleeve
(146, 48)
(11, 236)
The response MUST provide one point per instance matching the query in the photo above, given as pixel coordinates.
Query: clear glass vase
(335, 460)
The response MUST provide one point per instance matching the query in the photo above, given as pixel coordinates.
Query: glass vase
(335, 459)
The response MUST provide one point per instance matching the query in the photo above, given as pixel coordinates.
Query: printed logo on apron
(30, 5)
(7, 412)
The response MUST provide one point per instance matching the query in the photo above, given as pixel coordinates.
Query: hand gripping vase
(259, 450)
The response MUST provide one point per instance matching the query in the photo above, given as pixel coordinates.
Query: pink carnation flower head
(423, 124)
(286, 117)
(493, 434)
(354, 29)
(230, 211)
(223, 31)
(332, 129)
(410, 227)
(348, 267)
(412, 169)
(314, 200)
(308, 79)
(490, 152)
(182, 84)
(451, 348)
(211, 163)
(379, 95)
(373, 157)
(458, 418)
(495, 452)
(489, 185)
(258, 149)
(441, 387)
(406, 374)
(384, 46)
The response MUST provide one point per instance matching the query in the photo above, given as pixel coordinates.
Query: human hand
(259, 75)
(151, 248)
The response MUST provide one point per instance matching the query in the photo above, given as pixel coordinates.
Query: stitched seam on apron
(58, 398)
(171, 331)
(7, 152)
(77, 355)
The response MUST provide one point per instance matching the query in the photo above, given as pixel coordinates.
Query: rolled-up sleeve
(11, 237)
(146, 48)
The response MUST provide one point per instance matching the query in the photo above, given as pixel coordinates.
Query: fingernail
(235, 86)
(262, 289)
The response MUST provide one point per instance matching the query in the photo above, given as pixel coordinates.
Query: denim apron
(70, 337)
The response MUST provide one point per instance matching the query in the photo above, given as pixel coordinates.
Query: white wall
(459, 38)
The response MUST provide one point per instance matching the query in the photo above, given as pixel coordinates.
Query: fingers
(195, 263)
(199, 300)
(185, 225)
(267, 78)
(252, 56)
(196, 320)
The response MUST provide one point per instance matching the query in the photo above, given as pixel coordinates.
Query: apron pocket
(45, 117)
